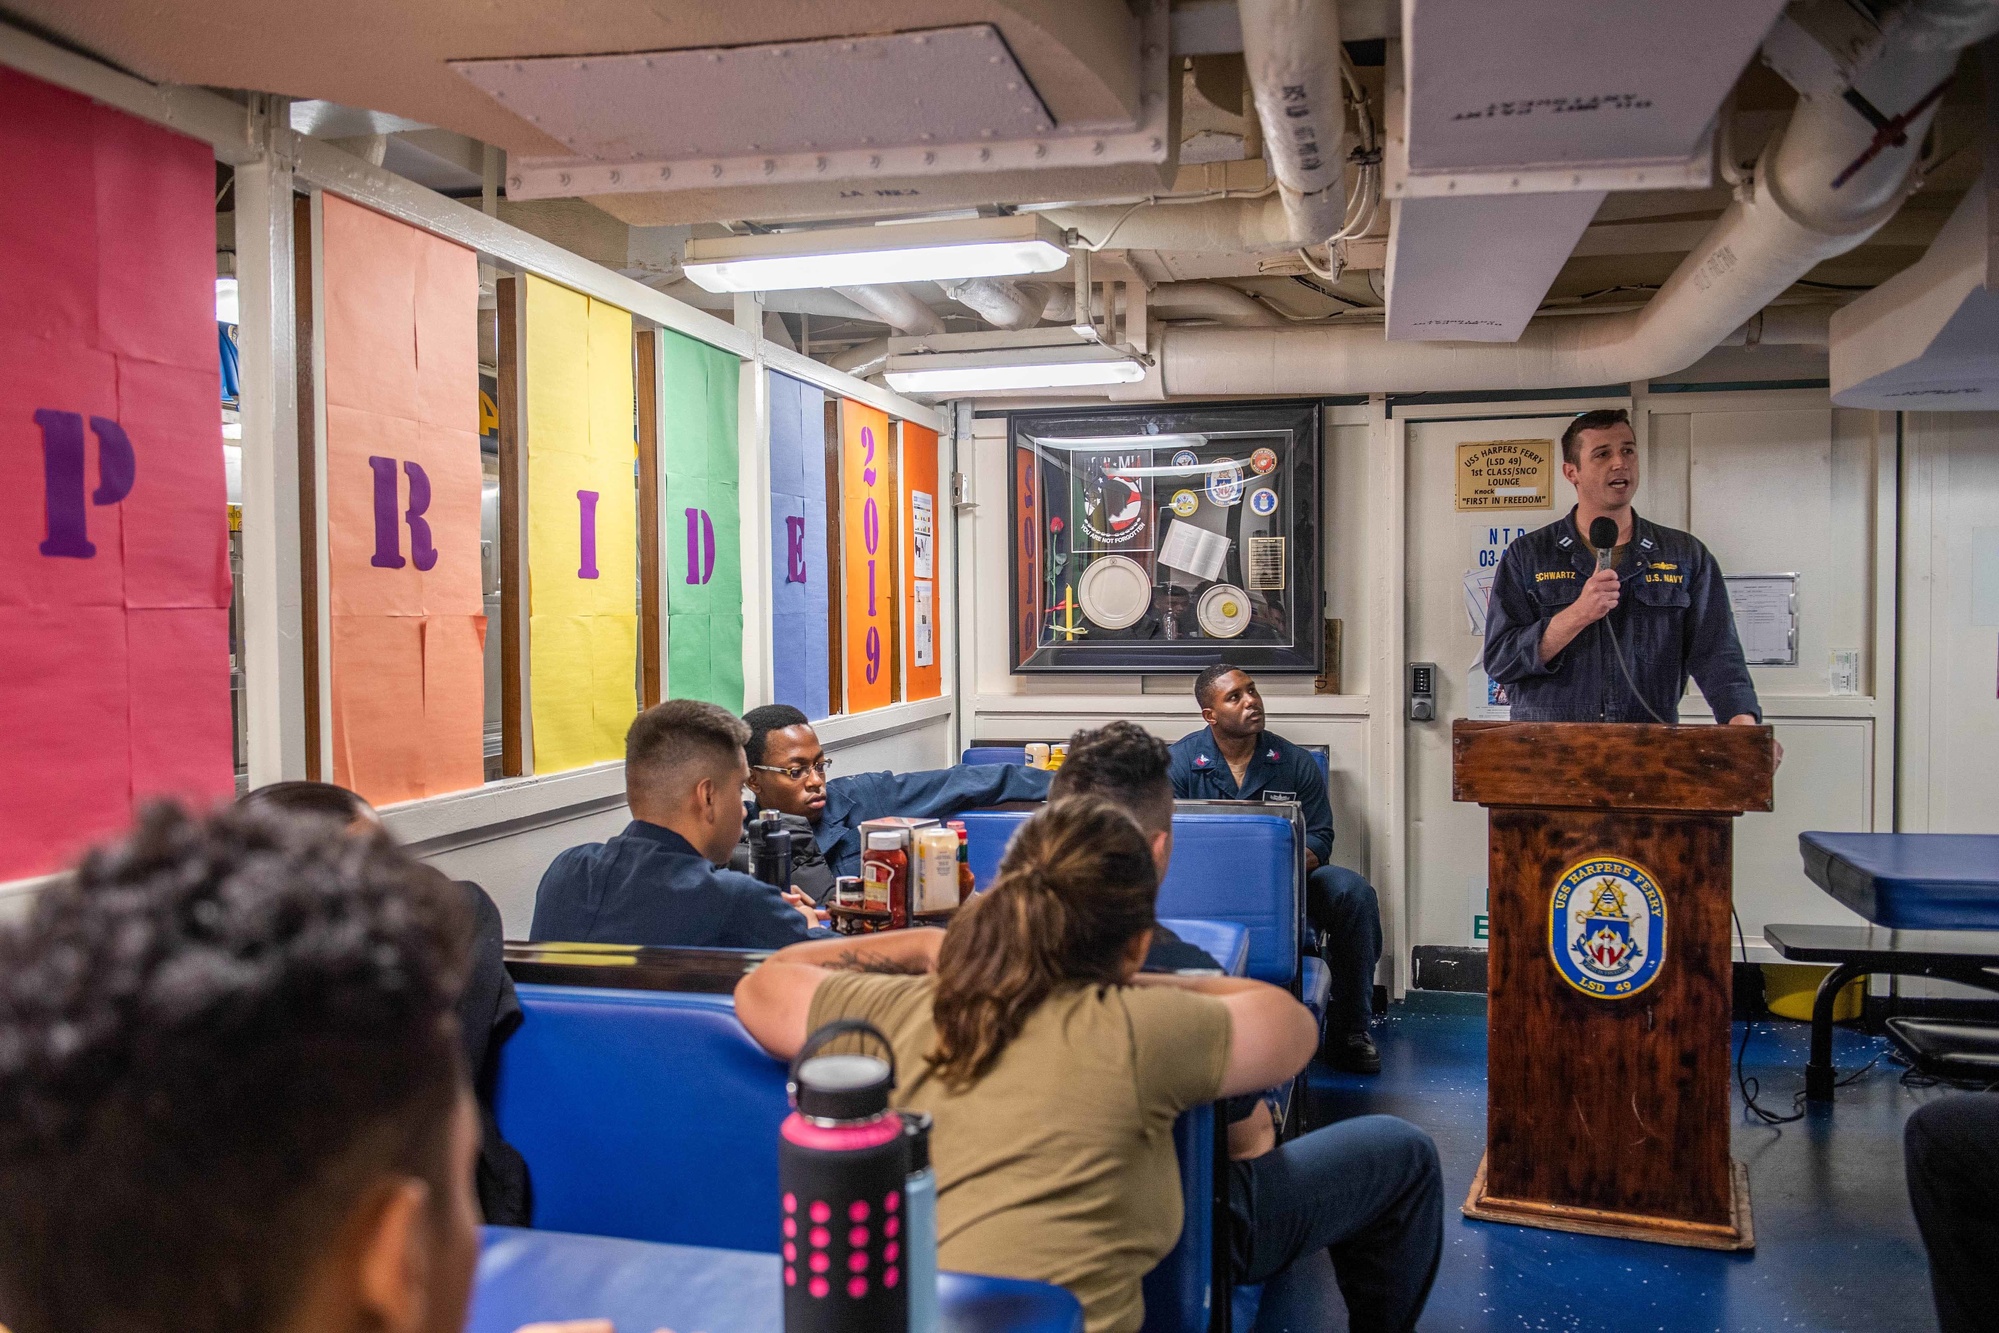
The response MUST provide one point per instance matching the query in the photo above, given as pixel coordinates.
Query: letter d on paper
(700, 546)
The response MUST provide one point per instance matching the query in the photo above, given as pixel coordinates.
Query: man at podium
(1583, 627)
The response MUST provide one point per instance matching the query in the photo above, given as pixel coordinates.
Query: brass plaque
(1506, 474)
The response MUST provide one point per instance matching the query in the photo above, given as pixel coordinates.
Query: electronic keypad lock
(1422, 691)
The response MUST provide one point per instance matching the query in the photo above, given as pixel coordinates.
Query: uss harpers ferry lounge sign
(1506, 474)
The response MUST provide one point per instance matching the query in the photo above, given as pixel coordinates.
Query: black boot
(1353, 1053)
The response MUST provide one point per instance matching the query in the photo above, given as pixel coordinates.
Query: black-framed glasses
(796, 772)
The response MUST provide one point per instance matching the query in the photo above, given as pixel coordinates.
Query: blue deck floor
(1836, 1246)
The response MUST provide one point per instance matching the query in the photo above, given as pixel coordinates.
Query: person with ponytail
(1052, 1068)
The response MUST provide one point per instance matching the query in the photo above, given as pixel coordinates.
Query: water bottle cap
(843, 1087)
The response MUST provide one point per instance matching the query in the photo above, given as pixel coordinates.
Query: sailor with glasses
(788, 773)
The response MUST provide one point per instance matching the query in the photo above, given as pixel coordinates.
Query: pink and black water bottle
(842, 1169)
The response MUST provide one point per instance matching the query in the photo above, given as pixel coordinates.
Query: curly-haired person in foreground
(231, 1096)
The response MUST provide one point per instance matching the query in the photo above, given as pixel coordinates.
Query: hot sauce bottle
(965, 882)
(885, 878)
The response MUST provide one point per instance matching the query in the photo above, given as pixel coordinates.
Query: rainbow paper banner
(583, 578)
(703, 526)
(114, 538)
(868, 526)
(802, 565)
(402, 520)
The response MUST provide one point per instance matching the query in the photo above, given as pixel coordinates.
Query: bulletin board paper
(114, 682)
(403, 481)
(924, 677)
(701, 514)
(583, 613)
(801, 571)
(868, 535)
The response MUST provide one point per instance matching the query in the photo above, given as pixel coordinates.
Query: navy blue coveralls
(1339, 903)
(1672, 620)
(937, 794)
(650, 886)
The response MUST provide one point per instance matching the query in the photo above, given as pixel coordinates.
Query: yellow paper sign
(582, 528)
(1506, 474)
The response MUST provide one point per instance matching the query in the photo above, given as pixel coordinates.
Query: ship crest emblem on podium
(1607, 928)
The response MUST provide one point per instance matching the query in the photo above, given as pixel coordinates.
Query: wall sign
(922, 677)
(114, 556)
(802, 570)
(868, 512)
(403, 478)
(582, 546)
(704, 575)
(1506, 474)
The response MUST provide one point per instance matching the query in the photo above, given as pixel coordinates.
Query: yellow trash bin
(1790, 988)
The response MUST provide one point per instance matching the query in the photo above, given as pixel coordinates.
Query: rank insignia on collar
(1272, 756)
(1200, 761)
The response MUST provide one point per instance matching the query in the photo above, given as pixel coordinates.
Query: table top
(631, 966)
(1911, 881)
(530, 1276)
(1954, 950)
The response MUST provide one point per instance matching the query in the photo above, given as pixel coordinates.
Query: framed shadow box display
(1166, 539)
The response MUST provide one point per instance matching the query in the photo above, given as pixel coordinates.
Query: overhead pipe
(1221, 225)
(1002, 304)
(1292, 51)
(896, 307)
(861, 360)
(1784, 326)
(1225, 305)
(1791, 219)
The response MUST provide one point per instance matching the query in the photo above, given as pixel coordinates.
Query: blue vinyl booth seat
(652, 1115)
(1224, 941)
(1923, 881)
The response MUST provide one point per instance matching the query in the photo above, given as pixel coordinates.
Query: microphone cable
(1602, 539)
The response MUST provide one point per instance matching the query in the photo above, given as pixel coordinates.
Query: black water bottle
(771, 849)
(842, 1169)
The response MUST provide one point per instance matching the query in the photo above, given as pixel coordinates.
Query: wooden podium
(1610, 986)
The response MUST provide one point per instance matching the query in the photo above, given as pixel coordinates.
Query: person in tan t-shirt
(1052, 1068)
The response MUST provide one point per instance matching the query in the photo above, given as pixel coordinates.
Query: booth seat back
(644, 1114)
(652, 1115)
(1240, 867)
(1002, 752)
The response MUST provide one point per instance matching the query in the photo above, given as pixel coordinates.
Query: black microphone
(1603, 536)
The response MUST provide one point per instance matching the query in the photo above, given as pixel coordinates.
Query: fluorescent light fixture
(226, 303)
(1011, 368)
(862, 256)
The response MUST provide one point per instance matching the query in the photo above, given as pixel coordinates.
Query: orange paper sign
(403, 479)
(867, 518)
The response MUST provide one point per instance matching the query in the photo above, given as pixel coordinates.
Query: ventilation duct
(896, 307)
(1002, 304)
(1928, 338)
(1790, 220)
(1292, 50)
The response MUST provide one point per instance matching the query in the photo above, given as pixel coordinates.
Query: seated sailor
(1233, 758)
(657, 883)
(788, 770)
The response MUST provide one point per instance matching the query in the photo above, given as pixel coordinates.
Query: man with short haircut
(1368, 1190)
(788, 774)
(656, 883)
(1233, 758)
(1662, 605)
(231, 1096)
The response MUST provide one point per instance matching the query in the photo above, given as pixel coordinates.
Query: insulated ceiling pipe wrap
(1219, 225)
(896, 307)
(1002, 304)
(1292, 49)
(1794, 220)
(1225, 305)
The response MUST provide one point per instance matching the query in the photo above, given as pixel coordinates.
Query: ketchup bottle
(885, 877)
